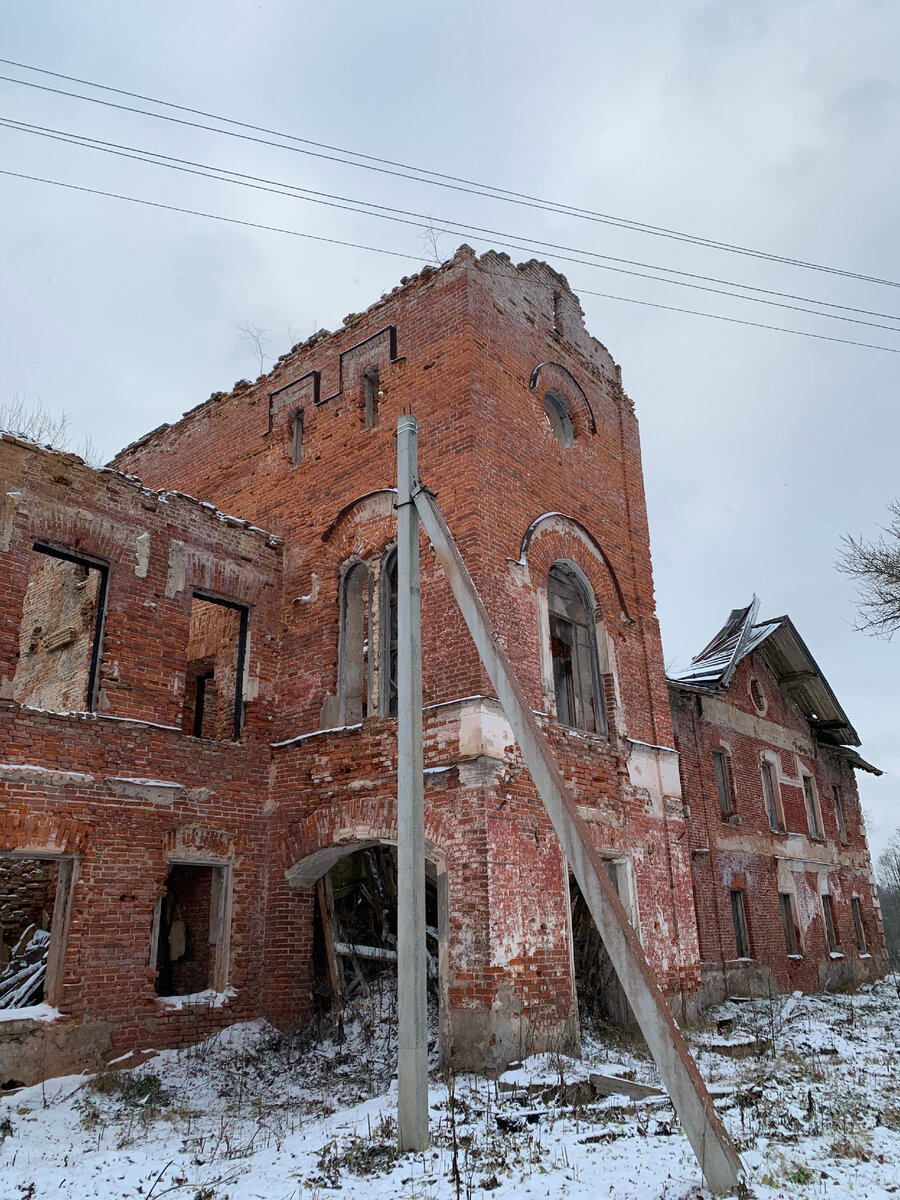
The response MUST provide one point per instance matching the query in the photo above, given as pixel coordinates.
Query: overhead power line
(822, 337)
(388, 166)
(445, 225)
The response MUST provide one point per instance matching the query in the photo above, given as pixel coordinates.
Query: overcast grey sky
(772, 125)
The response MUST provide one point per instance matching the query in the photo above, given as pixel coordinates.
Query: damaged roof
(788, 658)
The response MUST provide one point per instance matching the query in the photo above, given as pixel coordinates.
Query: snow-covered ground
(255, 1115)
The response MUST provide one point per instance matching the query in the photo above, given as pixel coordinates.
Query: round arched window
(556, 410)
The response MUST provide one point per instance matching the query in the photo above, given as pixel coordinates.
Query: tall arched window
(388, 624)
(573, 649)
(355, 660)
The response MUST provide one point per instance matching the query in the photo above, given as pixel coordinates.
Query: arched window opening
(388, 682)
(573, 649)
(355, 659)
(556, 410)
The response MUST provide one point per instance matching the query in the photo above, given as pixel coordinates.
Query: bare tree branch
(29, 419)
(875, 565)
(258, 340)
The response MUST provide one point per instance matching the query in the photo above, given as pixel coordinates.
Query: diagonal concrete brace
(715, 1151)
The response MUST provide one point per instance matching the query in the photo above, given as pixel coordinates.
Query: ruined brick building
(197, 710)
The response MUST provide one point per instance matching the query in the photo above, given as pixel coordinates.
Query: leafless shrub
(875, 566)
(30, 419)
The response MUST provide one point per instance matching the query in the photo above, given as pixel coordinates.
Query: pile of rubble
(22, 979)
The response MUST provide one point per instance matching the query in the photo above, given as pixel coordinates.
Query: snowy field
(254, 1115)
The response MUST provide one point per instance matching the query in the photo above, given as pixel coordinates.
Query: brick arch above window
(309, 847)
(364, 527)
(556, 537)
(554, 377)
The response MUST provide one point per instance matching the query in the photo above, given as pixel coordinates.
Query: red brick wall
(748, 855)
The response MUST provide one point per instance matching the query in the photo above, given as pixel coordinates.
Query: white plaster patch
(142, 553)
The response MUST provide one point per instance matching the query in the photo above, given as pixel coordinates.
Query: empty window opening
(60, 634)
(756, 695)
(556, 410)
(388, 625)
(214, 681)
(601, 1000)
(771, 796)
(573, 650)
(557, 311)
(297, 438)
(858, 926)
(789, 923)
(812, 809)
(830, 927)
(355, 947)
(839, 812)
(739, 916)
(355, 658)
(35, 900)
(371, 396)
(189, 937)
(723, 783)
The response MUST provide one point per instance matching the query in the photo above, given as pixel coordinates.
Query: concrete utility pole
(412, 1065)
(709, 1138)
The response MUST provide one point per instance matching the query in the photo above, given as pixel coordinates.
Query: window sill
(195, 1000)
(835, 954)
(34, 1013)
(731, 819)
(866, 954)
(796, 957)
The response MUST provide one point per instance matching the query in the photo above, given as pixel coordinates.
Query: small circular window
(756, 695)
(556, 410)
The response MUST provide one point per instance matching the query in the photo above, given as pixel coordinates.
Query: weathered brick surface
(471, 349)
(762, 862)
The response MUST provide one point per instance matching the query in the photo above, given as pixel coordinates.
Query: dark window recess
(723, 782)
(556, 410)
(355, 934)
(573, 649)
(371, 396)
(214, 680)
(297, 438)
(812, 809)
(388, 623)
(858, 926)
(34, 896)
(830, 927)
(839, 812)
(739, 916)
(789, 923)
(355, 658)
(769, 786)
(190, 931)
(60, 633)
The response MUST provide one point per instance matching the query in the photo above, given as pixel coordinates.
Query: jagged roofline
(782, 646)
(463, 255)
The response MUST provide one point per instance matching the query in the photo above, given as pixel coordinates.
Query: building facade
(783, 885)
(197, 711)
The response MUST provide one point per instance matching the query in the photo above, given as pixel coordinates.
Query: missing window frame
(218, 930)
(241, 665)
(60, 919)
(93, 564)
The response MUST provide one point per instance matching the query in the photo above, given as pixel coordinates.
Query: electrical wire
(454, 228)
(403, 170)
(418, 258)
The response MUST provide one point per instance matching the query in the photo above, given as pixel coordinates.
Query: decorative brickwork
(307, 453)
